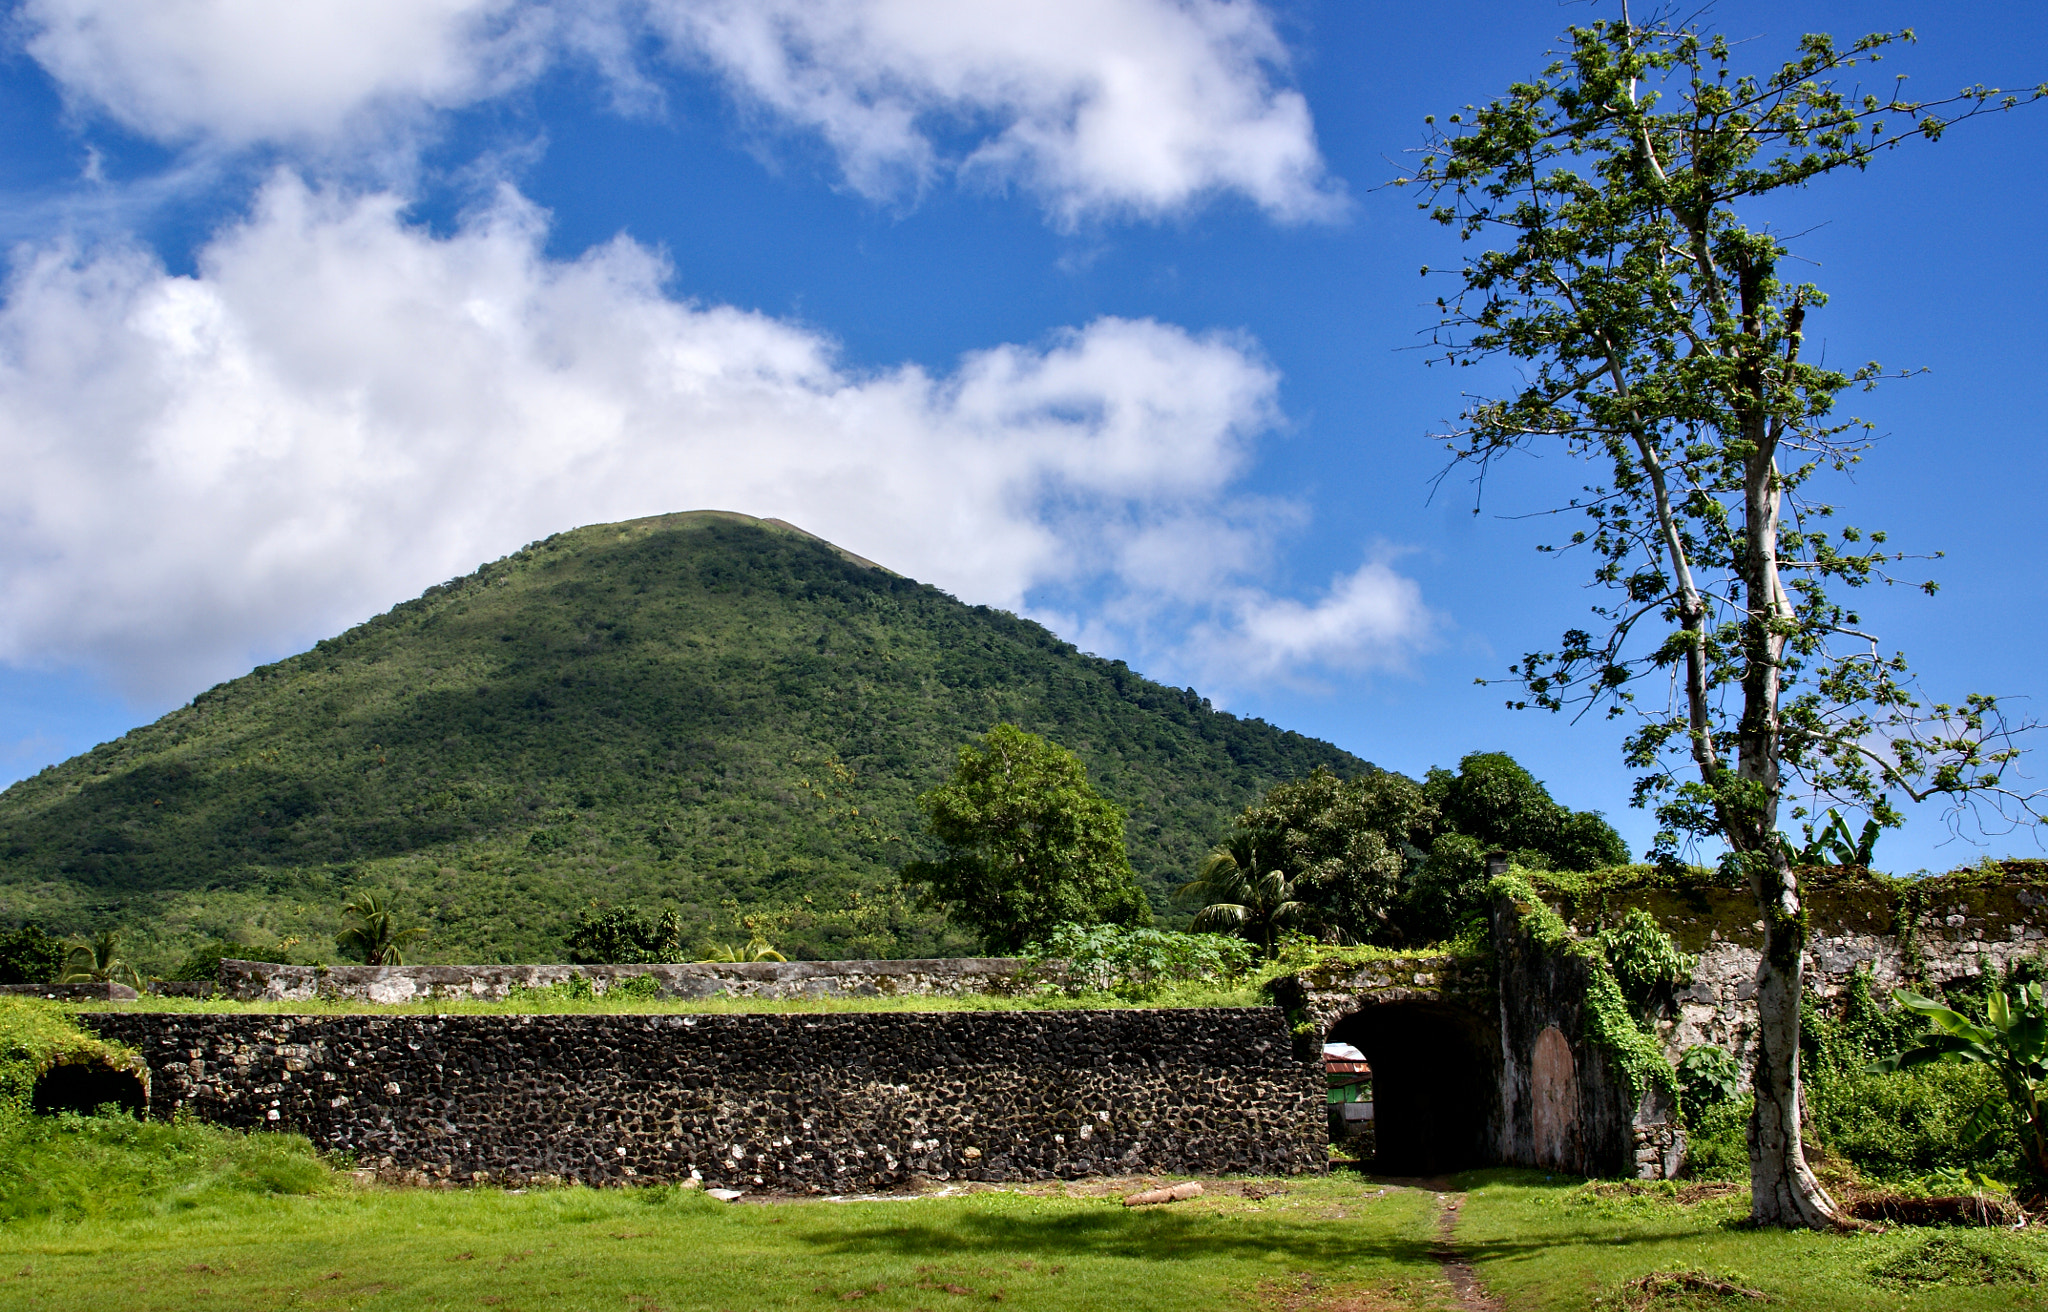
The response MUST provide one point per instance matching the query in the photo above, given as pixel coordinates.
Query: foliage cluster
(1138, 964)
(670, 712)
(28, 955)
(34, 1036)
(1380, 858)
(81, 1168)
(1027, 843)
(625, 935)
(1934, 1122)
(203, 962)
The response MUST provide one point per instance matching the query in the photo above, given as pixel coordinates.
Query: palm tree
(757, 949)
(97, 960)
(1238, 898)
(375, 935)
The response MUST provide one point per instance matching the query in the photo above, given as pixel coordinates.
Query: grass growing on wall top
(573, 1003)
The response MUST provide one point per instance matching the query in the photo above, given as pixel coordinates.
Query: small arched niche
(85, 1087)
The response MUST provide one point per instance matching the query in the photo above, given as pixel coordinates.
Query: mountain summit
(707, 710)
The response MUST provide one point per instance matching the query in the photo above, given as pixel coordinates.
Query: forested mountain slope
(697, 709)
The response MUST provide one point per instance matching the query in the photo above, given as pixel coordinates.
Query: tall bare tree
(1655, 337)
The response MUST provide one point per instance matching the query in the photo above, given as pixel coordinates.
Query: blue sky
(1093, 310)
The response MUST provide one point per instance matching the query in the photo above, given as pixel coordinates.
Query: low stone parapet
(253, 981)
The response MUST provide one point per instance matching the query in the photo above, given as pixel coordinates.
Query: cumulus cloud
(1370, 617)
(237, 72)
(340, 408)
(1096, 107)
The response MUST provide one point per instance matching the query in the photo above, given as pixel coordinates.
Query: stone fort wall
(791, 1102)
(1922, 934)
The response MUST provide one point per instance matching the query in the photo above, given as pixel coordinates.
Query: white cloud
(339, 409)
(1097, 107)
(1370, 617)
(235, 72)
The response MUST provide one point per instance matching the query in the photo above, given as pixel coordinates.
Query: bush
(1902, 1124)
(73, 1166)
(34, 1036)
(1717, 1141)
(203, 962)
(1708, 1076)
(1135, 964)
(29, 956)
(626, 936)
(1910, 1123)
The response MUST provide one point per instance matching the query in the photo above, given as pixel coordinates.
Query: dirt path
(1472, 1296)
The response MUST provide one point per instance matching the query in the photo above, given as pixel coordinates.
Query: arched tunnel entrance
(1432, 1085)
(85, 1087)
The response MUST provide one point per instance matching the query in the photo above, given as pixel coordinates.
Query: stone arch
(86, 1086)
(1433, 1083)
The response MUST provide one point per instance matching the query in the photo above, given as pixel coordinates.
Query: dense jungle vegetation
(702, 711)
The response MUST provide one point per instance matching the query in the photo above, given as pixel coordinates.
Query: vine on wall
(1610, 1022)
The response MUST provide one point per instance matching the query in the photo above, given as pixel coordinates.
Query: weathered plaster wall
(818, 1103)
(1562, 1101)
(946, 977)
(1921, 934)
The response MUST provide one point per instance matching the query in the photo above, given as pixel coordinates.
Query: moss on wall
(1698, 905)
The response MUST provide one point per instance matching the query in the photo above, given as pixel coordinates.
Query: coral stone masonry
(793, 1103)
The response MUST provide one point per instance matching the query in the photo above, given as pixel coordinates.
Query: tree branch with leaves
(1659, 340)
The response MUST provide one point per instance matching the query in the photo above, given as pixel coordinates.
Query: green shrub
(1902, 1124)
(203, 962)
(1912, 1122)
(1707, 1077)
(626, 936)
(34, 1036)
(1135, 964)
(1717, 1143)
(29, 956)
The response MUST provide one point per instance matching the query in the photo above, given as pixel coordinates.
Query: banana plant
(1833, 846)
(2012, 1041)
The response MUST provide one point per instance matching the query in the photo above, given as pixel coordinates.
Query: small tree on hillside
(1655, 336)
(1030, 844)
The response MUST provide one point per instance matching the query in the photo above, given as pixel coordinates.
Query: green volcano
(699, 710)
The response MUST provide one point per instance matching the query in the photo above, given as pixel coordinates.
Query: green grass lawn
(106, 1213)
(118, 1214)
(1543, 1244)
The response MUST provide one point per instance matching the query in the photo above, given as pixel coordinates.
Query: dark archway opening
(1432, 1086)
(85, 1087)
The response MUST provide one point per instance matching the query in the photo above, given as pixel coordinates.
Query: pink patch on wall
(1554, 1080)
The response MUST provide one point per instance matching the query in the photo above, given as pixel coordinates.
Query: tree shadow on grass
(1143, 1236)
